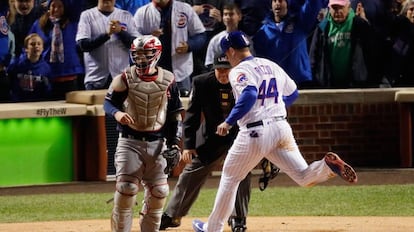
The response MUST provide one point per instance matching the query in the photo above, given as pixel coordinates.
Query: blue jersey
(30, 81)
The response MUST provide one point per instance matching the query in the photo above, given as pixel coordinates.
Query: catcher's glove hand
(172, 156)
(270, 171)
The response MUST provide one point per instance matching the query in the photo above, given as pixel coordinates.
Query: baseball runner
(262, 91)
(144, 100)
(210, 102)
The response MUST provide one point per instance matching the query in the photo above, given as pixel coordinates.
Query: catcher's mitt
(172, 156)
(270, 171)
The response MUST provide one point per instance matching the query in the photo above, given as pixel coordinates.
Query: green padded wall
(35, 151)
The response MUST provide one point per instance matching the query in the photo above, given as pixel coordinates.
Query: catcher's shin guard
(155, 196)
(122, 213)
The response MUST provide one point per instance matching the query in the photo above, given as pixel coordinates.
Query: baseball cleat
(167, 221)
(198, 225)
(342, 169)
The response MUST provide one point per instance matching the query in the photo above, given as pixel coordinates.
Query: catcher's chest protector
(147, 101)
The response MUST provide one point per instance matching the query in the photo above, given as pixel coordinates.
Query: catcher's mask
(145, 52)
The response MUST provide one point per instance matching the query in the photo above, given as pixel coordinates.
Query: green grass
(375, 200)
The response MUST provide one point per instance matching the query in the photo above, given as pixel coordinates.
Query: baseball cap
(221, 61)
(339, 2)
(235, 39)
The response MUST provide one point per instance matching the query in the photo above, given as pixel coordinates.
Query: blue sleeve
(243, 105)
(110, 108)
(88, 45)
(291, 98)
(197, 42)
(309, 12)
(114, 102)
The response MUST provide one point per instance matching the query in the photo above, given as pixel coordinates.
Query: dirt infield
(255, 224)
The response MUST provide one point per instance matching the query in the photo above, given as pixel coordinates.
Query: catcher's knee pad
(127, 188)
(124, 200)
(151, 213)
(160, 190)
(155, 197)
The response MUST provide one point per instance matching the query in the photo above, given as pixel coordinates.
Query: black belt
(260, 123)
(147, 138)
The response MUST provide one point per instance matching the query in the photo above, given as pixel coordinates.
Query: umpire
(211, 101)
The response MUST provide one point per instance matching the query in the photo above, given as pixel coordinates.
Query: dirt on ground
(265, 224)
(255, 224)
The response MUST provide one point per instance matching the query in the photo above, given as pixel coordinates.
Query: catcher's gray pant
(190, 182)
(139, 162)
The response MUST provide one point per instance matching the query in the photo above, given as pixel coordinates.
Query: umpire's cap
(235, 39)
(221, 61)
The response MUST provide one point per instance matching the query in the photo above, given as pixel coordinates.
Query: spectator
(60, 51)
(130, 5)
(396, 6)
(203, 148)
(402, 39)
(181, 32)
(283, 38)
(26, 15)
(30, 73)
(339, 48)
(231, 19)
(254, 12)
(378, 15)
(210, 13)
(105, 32)
(6, 51)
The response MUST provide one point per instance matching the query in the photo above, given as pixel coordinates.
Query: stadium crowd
(48, 48)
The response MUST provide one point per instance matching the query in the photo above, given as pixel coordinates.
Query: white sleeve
(209, 54)
(84, 26)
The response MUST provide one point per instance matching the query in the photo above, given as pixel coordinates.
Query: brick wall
(365, 134)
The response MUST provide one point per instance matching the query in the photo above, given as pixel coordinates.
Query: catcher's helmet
(145, 52)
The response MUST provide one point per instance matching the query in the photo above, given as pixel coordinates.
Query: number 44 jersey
(272, 84)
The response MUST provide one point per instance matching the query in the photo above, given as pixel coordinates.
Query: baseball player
(210, 102)
(144, 100)
(262, 91)
(105, 32)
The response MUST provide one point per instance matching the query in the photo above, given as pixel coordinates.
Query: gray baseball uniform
(154, 106)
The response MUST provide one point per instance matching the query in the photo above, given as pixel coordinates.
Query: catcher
(144, 100)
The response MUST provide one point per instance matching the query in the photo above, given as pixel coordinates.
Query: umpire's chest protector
(147, 100)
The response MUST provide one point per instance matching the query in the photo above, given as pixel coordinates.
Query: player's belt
(147, 138)
(260, 123)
